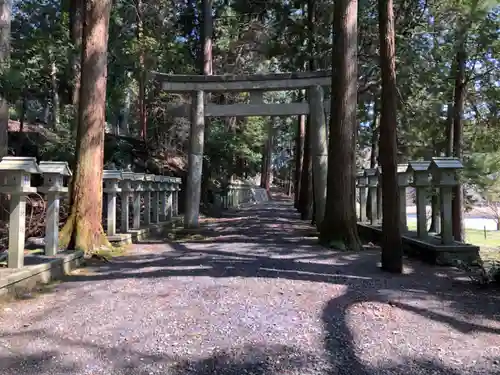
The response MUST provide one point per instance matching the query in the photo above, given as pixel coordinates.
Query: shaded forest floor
(252, 293)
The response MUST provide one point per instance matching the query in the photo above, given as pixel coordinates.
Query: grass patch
(475, 236)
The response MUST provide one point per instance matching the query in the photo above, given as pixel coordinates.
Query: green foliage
(260, 37)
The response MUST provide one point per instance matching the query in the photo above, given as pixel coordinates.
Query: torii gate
(255, 85)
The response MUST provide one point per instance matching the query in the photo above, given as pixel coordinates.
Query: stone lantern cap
(112, 178)
(372, 175)
(149, 179)
(177, 182)
(136, 179)
(402, 168)
(53, 176)
(128, 175)
(420, 170)
(443, 170)
(16, 174)
(418, 166)
(112, 175)
(55, 167)
(403, 175)
(361, 178)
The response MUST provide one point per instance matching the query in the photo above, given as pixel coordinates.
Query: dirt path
(254, 295)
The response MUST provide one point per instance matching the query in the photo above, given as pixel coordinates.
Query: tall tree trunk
(207, 35)
(306, 194)
(5, 19)
(339, 228)
(55, 96)
(299, 154)
(206, 69)
(83, 229)
(141, 73)
(75, 30)
(22, 117)
(392, 248)
(263, 166)
(374, 151)
(306, 190)
(458, 109)
(269, 154)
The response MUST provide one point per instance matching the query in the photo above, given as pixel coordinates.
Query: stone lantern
(175, 196)
(372, 175)
(127, 190)
(170, 200)
(403, 182)
(15, 175)
(112, 180)
(148, 189)
(138, 187)
(444, 177)
(362, 182)
(156, 198)
(163, 198)
(420, 172)
(53, 173)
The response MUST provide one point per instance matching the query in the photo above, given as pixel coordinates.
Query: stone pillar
(163, 198)
(16, 181)
(53, 173)
(138, 186)
(195, 161)
(175, 197)
(127, 192)
(403, 183)
(372, 176)
(421, 184)
(444, 177)
(148, 188)
(319, 150)
(362, 182)
(169, 196)
(156, 199)
(111, 188)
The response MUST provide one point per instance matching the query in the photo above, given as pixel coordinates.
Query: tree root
(79, 233)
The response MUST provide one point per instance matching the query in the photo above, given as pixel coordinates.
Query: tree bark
(299, 154)
(306, 195)
(458, 109)
(319, 151)
(55, 96)
(141, 73)
(75, 30)
(305, 200)
(392, 252)
(374, 152)
(5, 19)
(206, 69)
(339, 227)
(83, 229)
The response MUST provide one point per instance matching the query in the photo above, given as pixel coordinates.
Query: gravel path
(255, 296)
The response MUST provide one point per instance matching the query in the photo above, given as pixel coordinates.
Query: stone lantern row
(160, 195)
(439, 173)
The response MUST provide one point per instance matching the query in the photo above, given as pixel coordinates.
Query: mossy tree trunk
(339, 228)
(83, 229)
